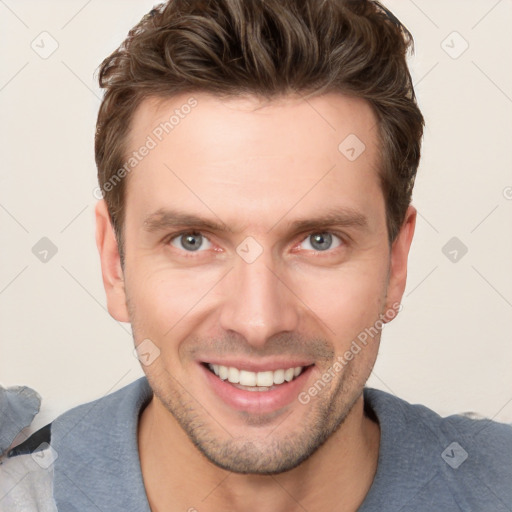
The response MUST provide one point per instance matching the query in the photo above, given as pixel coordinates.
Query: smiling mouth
(255, 381)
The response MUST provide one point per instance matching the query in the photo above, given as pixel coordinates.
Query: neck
(178, 477)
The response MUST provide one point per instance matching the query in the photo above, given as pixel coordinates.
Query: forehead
(207, 117)
(253, 159)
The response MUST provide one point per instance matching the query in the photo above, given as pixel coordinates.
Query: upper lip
(259, 366)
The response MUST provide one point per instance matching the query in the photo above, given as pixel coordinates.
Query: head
(257, 161)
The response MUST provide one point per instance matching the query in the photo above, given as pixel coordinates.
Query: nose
(258, 303)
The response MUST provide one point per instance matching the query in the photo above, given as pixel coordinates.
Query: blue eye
(322, 242)
(191, 242)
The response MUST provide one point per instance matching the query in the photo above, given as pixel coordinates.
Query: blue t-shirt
(88, 460)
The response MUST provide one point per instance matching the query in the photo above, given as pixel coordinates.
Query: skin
(255, 169)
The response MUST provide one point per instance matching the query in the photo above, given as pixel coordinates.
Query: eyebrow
(164, 219)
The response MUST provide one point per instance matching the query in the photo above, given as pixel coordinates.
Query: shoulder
(472, 457)
(481, 450)
(485, 441)
(479, 433)
(31, 472)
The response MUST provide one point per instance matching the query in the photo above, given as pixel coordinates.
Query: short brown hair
(265, 48)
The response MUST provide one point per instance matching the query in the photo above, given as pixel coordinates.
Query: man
(257, 161)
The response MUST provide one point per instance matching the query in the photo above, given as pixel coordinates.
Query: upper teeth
(246, 378)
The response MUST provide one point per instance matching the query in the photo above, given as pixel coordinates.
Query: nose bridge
(257, 304)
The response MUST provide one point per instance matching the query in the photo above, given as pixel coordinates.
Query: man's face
(253, 245)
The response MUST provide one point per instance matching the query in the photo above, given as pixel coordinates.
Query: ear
(398, 263)
(111, 270)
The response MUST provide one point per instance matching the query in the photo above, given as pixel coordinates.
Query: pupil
(321, 241)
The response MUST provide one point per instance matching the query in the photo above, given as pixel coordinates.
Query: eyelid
(173, 236)
(190, 231)
(342, 237)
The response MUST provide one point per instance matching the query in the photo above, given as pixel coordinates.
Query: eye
(321, 242)
(191, 242)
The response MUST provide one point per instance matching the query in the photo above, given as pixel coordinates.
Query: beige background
(450, 348)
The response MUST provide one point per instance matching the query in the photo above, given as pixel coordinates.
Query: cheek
(169, 303)
(161, 300)
(346, 300)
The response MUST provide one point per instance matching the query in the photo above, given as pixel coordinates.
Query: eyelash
(191, 254)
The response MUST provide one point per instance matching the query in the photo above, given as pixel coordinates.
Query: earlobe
(111, 270)
(398, 263)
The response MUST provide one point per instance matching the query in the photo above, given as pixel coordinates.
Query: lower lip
(257, 401)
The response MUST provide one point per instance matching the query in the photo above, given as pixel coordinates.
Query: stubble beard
(274, 454)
